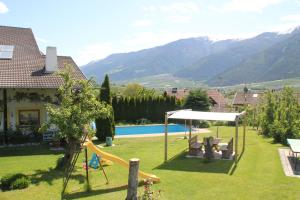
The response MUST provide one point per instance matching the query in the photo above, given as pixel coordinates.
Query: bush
(220, 123)
(201, 124)
(20, 183)
(14, 181)
(148, 193)
(60, 163)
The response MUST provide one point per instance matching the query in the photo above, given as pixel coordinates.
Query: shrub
(201, 124)
(60, 163)
(148, 193)
(20, 183)
(14, 181)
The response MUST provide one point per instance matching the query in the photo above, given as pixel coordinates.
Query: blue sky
(92, 29)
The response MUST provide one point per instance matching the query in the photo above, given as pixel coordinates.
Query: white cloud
(179, 19)
(291, 18)
(176, 7)
(183, 7)
(145, 40)
(93, 52)
(247, 5)
(284, 28)
(3, 8)
(142, 23)
(176, 12)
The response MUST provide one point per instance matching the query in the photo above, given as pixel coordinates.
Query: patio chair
(215, 143)
(195, 147)
(226, 148)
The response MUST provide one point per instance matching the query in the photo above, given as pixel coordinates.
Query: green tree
(105, 126)
(268, 113)
(280, 115)
(132, 90)
(197, 100)
(78, 107)
(135, 90)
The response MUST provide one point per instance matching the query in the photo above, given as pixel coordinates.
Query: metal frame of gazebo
(207, 116)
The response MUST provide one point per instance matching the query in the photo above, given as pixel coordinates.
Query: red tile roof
(217, 97)
(250, 98)
(26, 68)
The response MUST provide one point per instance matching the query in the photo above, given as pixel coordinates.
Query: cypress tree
(105, 127)
(115, 105)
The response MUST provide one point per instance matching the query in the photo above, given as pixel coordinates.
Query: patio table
(295, 148)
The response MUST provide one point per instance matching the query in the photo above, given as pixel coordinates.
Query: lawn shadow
(83, 194)
(50, 175)
(181, 163)
(42, 149)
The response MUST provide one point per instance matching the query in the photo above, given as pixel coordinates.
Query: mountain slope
(266, 57)
(280, 61)
(215, 64)
(158, 60)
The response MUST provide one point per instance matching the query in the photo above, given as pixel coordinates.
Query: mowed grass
(258, 174)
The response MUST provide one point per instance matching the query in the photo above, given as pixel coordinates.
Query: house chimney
(51, 60)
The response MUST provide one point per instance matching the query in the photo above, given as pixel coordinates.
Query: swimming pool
(149, 129)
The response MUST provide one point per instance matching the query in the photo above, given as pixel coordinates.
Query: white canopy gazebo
(208, 116)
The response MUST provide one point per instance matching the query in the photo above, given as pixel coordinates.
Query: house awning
(210, 116)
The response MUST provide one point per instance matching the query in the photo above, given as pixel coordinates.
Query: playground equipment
(106, 157)
(89, 144)
(94, 162)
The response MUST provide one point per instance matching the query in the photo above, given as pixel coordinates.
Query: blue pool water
(152, 129)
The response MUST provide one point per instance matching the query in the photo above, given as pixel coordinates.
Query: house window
(29, 117)
(6, 51)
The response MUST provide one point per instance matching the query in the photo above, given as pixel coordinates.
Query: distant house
(218, 101)
(27, 78)
(178, 93)
(249, 98)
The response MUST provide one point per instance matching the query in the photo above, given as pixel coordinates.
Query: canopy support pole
(166, 137)
(190, 129)
(236, 138)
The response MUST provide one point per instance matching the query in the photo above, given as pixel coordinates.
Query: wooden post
(5, 116)
(190, 129)
(86, 166)
(236, 138)
(133, 179)
(166, 137)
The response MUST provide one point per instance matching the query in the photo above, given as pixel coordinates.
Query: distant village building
(251, 98)
(28, 79)
(178, 93)
(218, 101)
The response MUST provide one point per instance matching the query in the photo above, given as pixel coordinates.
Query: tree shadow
(51, 174)
(83, 194)
(28, 151)
(181, 163)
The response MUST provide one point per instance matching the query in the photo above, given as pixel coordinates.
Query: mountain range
(265, 57)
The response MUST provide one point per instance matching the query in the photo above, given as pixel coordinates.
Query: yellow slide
(107, 156)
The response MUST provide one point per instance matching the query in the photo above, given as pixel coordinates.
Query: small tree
(197, 100)
(78, 107)
(105, 126)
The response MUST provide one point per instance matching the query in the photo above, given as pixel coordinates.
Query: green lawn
(258, 174)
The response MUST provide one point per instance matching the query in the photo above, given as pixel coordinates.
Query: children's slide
(107, 156)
